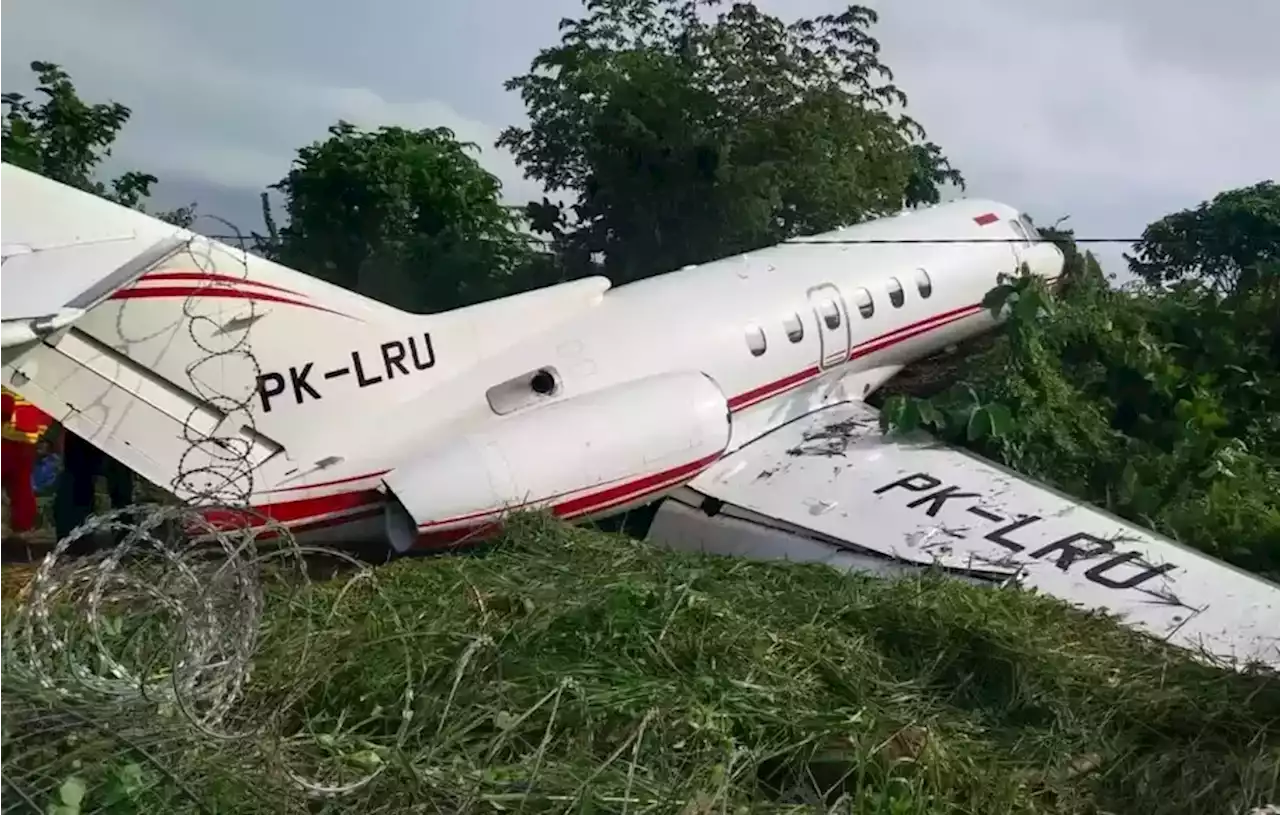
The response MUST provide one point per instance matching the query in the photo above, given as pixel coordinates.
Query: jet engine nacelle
(581, 456)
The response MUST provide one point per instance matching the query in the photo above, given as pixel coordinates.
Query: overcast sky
(1114, 113)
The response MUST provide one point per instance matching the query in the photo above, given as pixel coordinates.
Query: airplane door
(831, 314)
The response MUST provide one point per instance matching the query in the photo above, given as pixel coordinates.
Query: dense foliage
(403, 216)
(1159, 401)
(686, 139)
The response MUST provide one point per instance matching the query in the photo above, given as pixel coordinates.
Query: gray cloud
(1080, 109)
(1112, 113)
(1233, 40)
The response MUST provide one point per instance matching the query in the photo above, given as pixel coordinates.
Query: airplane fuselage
(232, 380)
(780, 332)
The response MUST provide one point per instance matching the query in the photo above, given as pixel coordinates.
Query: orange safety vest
(24, 422)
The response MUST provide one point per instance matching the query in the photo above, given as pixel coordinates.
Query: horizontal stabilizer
(66, 250)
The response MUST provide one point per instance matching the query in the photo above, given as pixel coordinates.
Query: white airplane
(733, 388)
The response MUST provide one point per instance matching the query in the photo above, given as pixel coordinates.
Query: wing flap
(920, 502)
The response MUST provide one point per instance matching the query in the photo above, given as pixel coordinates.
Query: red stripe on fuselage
(332, 483)
(215, 292)
(307, 513)
(886, 340)
(582, 506)
(296, 513)
(585, 504)
(912, 331)
(216, 280)
(287, 512)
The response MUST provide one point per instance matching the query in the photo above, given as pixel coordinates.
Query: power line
(798, 241)
(807, 241)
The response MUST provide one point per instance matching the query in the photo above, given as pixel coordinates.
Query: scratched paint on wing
(830, 440)
(910, 497)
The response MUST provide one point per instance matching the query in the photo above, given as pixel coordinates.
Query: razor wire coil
(155, 639)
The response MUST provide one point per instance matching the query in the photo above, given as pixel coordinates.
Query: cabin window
(794, 327)
(830, 314)
(924, 284)
(755, 340)
(866, 306)
(896, 295)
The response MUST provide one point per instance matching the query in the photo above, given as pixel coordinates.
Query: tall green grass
(570, 670)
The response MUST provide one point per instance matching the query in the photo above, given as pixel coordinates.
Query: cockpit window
(1022, 231)
(1033, 234)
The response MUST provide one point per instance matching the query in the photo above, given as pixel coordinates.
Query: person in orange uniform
(24, 424)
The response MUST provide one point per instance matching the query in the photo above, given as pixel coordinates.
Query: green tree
(686, 139)
(408, 217)
(66, 139)
(1230, 243)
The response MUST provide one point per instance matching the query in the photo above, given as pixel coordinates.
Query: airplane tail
(207, 370)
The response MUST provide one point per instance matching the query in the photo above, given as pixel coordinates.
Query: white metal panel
(922, 502)
(106, 415)
(549, 454)
(61, 244)
(681, 525)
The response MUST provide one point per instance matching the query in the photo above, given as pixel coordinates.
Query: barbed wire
(962, 240)
(131, 671)
(806, 240)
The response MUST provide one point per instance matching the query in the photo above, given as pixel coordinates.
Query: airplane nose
(1047, 261)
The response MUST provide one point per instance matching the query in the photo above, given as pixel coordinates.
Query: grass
(571, 670)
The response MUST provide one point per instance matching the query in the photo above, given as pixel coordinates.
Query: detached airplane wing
(831, 487)
(64, 252)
